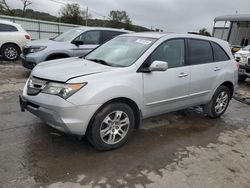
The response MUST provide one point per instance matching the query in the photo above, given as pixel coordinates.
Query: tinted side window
(199, 51)
(7, 28)
(172, 51)
(90, 37)
(219, 53)
(108, 35)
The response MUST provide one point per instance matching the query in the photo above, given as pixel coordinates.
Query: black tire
(97, 124)
(10, 52)
(242, 78)
(210, 108)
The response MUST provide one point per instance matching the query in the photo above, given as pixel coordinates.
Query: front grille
(35, 85)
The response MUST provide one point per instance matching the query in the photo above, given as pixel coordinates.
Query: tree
(73, 14)
(119, 19)
(6, 8)
(204, 32)
(26, 3)
(119, 16)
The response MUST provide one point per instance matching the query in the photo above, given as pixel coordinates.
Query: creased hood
(64, 69)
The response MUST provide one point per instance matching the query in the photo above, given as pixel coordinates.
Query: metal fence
(40, 29)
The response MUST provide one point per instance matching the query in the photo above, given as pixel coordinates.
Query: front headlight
(34, 49)
(62, 90)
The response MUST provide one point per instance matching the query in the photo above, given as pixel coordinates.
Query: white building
(233, 28)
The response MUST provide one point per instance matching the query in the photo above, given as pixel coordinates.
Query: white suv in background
(12, 38)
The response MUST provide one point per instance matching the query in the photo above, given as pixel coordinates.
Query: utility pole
(87, 15)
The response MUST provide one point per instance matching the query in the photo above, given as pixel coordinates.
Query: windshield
(68, 35)
(122, 51)
(247, 48)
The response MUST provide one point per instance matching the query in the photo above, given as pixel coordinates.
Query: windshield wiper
(100, 61)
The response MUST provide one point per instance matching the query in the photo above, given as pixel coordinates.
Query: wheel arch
(230, 86)
(125, 100)
(12, 43)
(59, 54)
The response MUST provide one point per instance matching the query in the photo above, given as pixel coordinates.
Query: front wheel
(219, 103)
(111, 127)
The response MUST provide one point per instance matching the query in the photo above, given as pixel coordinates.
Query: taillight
(27, 37)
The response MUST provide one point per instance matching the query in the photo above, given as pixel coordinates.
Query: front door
(90, 39)
(168, 90)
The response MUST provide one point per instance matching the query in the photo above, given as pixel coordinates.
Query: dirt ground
(177, 150)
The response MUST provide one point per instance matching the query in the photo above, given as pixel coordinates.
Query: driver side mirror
(77, 42)
(158, 66)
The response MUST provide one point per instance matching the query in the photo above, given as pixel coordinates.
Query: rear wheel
(10, 52)
(219, 103)
(111, 127)
(242, 78)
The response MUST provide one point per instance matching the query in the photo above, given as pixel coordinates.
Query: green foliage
(119, 16)
(72, 13)
(204, 32)
(120, 19)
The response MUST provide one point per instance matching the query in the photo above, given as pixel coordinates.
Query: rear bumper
(59, 113)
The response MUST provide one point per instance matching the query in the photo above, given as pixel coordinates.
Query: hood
(64, 69)
(41, 42)
(242, 52)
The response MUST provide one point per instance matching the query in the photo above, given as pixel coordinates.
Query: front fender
(107, 87)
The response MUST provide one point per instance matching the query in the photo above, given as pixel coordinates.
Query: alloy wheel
(114, 127)
(10, 53)
(221, 102)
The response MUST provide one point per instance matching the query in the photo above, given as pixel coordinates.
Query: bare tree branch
(26, 3)
(6, 7)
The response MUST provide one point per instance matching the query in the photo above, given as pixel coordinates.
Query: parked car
(242, 54)
(134, 76)
(12, 38)
(75, 42)
(244, 71)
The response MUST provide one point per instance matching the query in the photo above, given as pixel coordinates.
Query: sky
(178, 16)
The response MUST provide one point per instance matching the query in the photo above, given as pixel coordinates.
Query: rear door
(108, 35)
(90, 39)
(206, 59)
(7, 33)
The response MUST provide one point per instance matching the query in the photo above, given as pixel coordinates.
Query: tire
(111, 127)
(219, 102)
(242, 78)
(10, 52)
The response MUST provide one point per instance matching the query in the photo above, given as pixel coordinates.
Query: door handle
(182, 75)
(216, 68)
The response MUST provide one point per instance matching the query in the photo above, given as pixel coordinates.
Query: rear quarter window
(7, 28)
(199, 51)
(219, 53)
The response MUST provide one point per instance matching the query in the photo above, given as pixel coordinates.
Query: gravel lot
(180, 149)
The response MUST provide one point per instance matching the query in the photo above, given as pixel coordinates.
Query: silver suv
(134, 76)
(75, 42)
